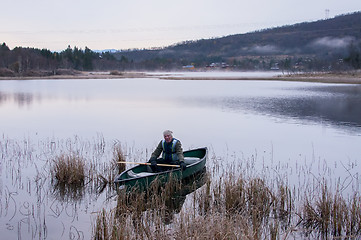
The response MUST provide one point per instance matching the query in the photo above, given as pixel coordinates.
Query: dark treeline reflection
(335, 104)
(339, 105)
(19, 98)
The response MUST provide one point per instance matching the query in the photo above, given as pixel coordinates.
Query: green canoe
(141, 176)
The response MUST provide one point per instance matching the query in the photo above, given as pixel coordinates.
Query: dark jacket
(171, 151)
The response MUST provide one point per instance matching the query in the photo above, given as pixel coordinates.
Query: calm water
(283, 125)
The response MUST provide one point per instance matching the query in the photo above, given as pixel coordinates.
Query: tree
(354, 57)
(88, 59)
(4, 52)
(4, 48)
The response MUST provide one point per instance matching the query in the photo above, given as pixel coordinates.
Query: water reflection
(337, 111)
(336, 105)
(68, 192)
(32, 206)
(169, 200)
(174, 203)
(21, 98)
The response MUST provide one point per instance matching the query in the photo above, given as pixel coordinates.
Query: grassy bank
(76, 75)
(326, 77)
(353, 77)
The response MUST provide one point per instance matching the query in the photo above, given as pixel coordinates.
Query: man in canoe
(172, 152)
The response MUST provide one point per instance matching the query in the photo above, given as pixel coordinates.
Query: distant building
(275, 67)
(218, 65)
(188, 67)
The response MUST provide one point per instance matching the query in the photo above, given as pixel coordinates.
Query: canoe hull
(141, 176)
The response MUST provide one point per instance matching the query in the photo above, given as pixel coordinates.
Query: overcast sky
(120, 24)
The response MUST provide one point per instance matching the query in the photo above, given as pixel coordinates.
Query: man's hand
(183, 165)
(153, 162)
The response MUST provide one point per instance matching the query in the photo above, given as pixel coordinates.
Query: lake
(282, 126)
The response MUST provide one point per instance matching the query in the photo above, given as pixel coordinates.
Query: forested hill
(330, 44)
(324, 39)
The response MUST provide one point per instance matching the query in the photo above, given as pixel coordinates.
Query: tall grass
(69, 169)
(140, 215)
(331, 215)
(119, 155)
(235, 207)
(231, 203)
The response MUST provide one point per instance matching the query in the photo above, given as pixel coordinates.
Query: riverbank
(342, 77)
(353, 77)
(81, 75)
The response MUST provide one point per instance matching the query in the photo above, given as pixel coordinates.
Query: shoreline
(82, 75)
(286, 79)
(341, 78)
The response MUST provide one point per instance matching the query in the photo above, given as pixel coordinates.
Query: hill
(330, 44)
(319, 44)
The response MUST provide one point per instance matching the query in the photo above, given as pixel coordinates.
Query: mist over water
(211, 113)
(280, 125)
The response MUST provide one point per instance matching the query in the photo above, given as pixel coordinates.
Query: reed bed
(228, 210)
(235, 205)
(331, 215)
(59, 182)
(235, 200)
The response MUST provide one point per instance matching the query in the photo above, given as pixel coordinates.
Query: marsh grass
(243, 202)
(331, 215)
(119, 155)
(140, 214)
(109, 169)
(259, 209)
(69, 169)
(236, 207)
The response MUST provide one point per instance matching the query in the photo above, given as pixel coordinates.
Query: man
(172, 152)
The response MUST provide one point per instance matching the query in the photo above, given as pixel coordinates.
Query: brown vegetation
(231, 208)
(234, 204)
(69, 169)
(332, 215)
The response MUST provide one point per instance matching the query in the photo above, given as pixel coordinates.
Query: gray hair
(168, 132)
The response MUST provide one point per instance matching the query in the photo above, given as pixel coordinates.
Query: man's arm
(157, 151)
(179, 151)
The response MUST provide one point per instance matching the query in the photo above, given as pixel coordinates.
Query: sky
(120, 24)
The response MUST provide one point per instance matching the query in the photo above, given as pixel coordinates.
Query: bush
(5, 72)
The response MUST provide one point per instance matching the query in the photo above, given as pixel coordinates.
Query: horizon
(152, 48)
(144, 25)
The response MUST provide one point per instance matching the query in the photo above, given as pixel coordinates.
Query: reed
(331, 215)
(353, 217)
(69, 169)
(118, 156)
(235, 208)
(235, 195)
(203, 199)
(138, 214)
(232, 203)
(109, 169)
(101, 227)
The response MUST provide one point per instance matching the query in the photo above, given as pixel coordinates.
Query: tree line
(331, 44)
(32, 61)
